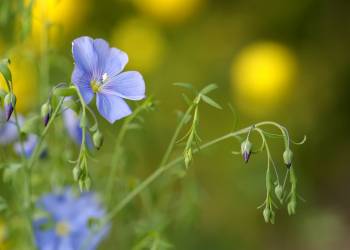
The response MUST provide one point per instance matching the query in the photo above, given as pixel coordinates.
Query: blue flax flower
(67, 225)
(98, 70)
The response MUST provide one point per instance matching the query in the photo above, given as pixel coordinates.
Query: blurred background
(286, 61)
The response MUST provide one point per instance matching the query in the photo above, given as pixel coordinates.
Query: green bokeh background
(214, 205)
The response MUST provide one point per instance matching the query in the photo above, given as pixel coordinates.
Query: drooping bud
(97, 139)
(267, 214)
(9, 104)
(291, 207)
(287, 157)
(279, 192)
(76, 173)
(246, 149)
(46, 112)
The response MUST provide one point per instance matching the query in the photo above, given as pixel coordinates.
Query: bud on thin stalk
(246, 149)
(97, 139)
(9, 103)
(46, 113)
(287, 157)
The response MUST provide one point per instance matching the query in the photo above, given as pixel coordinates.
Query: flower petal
(115, 62)
(102, 51)
(82, 80)
(129, 85)
(112, 107)
(84, 54)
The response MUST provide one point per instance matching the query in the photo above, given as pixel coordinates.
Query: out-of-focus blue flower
(72, 123)
(67, 225)
(28, 146)
(8, 130)
(98, 70)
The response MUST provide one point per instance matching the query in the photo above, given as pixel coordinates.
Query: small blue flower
(67, 225)
(72, 123)
(98, 70)
(28, 146)
(8, 130)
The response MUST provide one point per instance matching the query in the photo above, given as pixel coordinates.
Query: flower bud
(279, 192)
(287, 157)
(46, 113)
(97, 139)
(291, 207)
(246, 149)
(267, 214)
(76, 173)
(9, 103)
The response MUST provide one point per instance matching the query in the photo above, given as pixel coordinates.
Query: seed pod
(287, 157)
(9, 103)
(46, 113)
(246, 149)
(97, 139)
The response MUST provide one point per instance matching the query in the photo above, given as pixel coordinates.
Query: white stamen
(104, 77)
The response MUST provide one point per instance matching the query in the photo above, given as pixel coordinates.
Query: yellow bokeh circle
(25, 81)
(261, 75)
(62, 17)
(169, 11)
(143, 43)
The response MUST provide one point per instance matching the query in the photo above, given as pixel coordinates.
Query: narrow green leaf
(183, 85)
(5, 71)
(211, 102)
(208, 88)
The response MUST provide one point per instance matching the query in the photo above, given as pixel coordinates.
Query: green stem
(34, 157)
(27, 184)
(160, 170)
(177, 132)
(118, 146)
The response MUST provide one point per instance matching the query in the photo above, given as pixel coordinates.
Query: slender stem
(118, 146)
(177, 132)
(160, 170)
(284, 131)
(269, 157)
(27, 183)
(37, 149)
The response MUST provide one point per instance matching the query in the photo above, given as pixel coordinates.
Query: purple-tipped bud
(9, 105)
(287, 157)
(46, 113)
(246, 149)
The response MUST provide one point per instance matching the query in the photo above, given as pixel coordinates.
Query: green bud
(267, 214)
(279, 192)
(87, 183)
(291, 207)
(76, 173)
(97, 139)
(246, 149)
(46, 112)
(287, 157)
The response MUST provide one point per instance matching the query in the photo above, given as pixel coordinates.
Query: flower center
(62, 228)
(95, 85)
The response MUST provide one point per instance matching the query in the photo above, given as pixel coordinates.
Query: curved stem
(160, 170)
